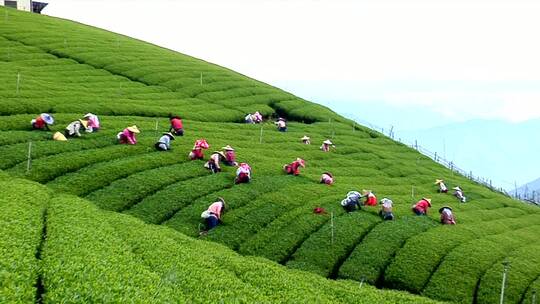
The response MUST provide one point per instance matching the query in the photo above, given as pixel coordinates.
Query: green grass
(89, 255)
(21, 226)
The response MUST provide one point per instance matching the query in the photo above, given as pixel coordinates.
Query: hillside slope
(69, 69)
(60, 248)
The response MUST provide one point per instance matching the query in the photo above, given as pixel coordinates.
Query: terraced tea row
(86, 255)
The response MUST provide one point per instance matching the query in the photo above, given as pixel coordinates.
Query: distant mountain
(505, 152)
(530, 190)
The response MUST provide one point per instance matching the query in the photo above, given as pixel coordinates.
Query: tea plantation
(89, 220)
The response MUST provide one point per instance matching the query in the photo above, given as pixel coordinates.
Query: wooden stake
(201, 79)
(332, 226)
(261, 135)
(18, 81)
(362, 279)
(29, 163)
(505, 271)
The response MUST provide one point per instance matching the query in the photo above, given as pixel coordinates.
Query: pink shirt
(230, 156)
(215, 208)
(93, 122)
(130, 136)
(327, 179)
(201, 144)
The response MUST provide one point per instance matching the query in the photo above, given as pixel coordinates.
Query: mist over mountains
(505, 152)
(530, 190)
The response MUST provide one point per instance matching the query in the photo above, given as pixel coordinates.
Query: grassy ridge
(164, 266)
(21, 226)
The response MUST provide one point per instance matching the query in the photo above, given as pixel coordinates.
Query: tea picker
(213, 163)
(164, 142)
(352, 201)
(459, 194)
(42, 122)
(442, 186)
(281, 124)
(93, 122)
(249, 119)
(294, 167)
(325, 147)
(447, 217)
(128, 135)
(386, 211)
(177, 127)
(371, 199)
(257, 117)
(243, 174)
(422, 206)
(74, 128)
(230, 156)
(327, 178)
(198, 147)
(212, 216)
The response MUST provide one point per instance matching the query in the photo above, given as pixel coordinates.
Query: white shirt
(165, 140)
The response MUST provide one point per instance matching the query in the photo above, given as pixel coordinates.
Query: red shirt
(294, 167)
(371, 200)
(176, 123)
(39, 123)
(422, 206)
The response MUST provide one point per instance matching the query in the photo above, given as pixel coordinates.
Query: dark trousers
(211, 222)
(177, 132)
(351, 206)
(387, 216)
(242, 178)
(418, 212)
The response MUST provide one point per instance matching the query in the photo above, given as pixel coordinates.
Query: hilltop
(116, 223)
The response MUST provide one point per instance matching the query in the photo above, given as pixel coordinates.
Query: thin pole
(201, 79)
(29, 163)
(354, 126)
(332, 226)
(412, 193)
(534, 297)
(503, 285)
(261, 135)
(362, 279)
(18, 81)
(444, 148)
(156, 129)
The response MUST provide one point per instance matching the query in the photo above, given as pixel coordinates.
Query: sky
(413, 64)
